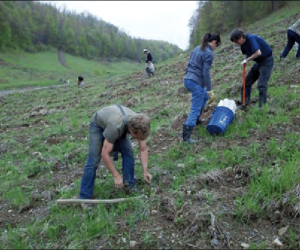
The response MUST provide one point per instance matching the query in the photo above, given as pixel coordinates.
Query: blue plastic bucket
(220, 119)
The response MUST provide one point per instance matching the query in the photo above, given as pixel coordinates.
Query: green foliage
(34, 26)
(268, 184)
(223, 16)
(24, 69)
(259, 153)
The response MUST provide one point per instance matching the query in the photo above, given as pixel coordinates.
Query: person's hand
(244, 62)
(147, 177)
(118, 181)
(212, 97)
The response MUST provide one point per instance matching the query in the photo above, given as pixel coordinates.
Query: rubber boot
(262, 97)
(186, 134)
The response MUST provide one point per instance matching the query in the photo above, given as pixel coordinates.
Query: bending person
(109, 129)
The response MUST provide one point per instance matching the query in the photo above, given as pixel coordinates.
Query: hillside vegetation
(220, 16)
(237, 190)
(36, 26)
(24, 69)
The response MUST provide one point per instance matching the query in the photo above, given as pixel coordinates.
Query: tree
(34, 26)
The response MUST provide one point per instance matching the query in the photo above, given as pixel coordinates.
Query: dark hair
(80, 78)
(207, 38)
(236, 34)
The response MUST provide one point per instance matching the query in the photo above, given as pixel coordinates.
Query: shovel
(244, 87)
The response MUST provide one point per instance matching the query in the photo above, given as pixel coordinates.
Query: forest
(34, 26)
(223, 16)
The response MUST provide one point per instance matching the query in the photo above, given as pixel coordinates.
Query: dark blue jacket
(199, 65)
(149, 57)
(254, 43)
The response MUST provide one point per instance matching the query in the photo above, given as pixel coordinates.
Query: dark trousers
(260, 72)
(292, 37)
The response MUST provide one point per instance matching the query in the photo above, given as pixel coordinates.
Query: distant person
(80, 81)
(149, 67)
(293, 35)
(109, 130)
(197, 81)
(255, 48)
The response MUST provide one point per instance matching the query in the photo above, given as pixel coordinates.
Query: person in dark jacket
(293, 35)
(255, 48)
(149, 68)
(197, 81)
(80, 81)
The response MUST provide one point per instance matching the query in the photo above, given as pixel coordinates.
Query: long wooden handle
(65, 201)
(244, 85)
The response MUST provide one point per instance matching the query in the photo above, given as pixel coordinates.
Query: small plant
(164, 112)
(52, 231)
(74, 122)
(179, 221)
(147, 238)
(258, 246)
(16, 197)
(179, 201)
(293, 239)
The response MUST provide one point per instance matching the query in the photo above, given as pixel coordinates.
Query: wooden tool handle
(244, 84)
(65, 201)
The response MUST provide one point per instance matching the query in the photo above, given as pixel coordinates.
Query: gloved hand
(212, 97)
(244, 62)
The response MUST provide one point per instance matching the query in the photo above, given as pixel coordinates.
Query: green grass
(269, 183)
(25, 69)
(264, 143)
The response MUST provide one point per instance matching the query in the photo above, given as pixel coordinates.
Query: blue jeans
(292, 37)
(96, 140)
(198, 101)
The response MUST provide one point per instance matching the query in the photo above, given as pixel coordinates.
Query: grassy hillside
(21, 69)
(240, 189)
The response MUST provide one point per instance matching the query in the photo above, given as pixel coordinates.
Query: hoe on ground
(96, 201)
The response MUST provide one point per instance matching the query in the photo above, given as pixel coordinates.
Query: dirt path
(61, 58)
(12, 91)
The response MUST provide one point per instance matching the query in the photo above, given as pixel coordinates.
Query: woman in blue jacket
(197, 81)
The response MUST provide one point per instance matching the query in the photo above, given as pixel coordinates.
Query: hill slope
(23, 69)
(225, 191)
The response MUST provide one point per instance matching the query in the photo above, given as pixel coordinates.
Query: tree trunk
(239, 11)
(274, 5)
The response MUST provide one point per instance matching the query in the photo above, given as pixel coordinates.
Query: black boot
(262, 97)
(186, 134)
